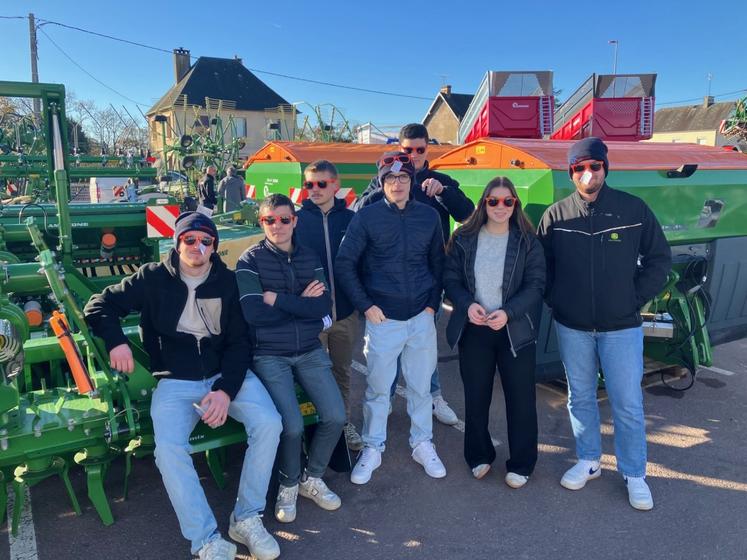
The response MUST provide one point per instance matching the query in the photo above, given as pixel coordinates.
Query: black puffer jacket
(523, 284)
(158, 293)
(393, 258)
(452, 202)
(293, 324)
(592, 251)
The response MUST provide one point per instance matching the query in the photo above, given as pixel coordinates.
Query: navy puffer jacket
(393, 259)
(292, 325)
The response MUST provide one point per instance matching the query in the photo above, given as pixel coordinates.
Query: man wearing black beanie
(594, 240)
(195, 335)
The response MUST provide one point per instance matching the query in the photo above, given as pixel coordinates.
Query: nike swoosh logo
(592, 471)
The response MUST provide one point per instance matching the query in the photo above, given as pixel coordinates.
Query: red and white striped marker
(161, 220)
(348, 195)
(250, 191)
(297, 196)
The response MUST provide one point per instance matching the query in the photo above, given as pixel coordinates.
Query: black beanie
(588, 148)
(195, 221)
(395, 167)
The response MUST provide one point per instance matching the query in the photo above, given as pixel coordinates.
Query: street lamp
(614, 64)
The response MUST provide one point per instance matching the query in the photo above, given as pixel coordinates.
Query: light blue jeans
(415, 340)
(620, 355)
(174, 418)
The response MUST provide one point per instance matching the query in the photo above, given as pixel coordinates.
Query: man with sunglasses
(285, 300)
(322, 222)
(606, 257)
(442, 193)
(192, 329)
(390, 264)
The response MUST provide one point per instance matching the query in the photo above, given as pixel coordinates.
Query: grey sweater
(489, 261)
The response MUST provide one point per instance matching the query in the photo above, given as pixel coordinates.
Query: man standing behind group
(231, 190)
(594, 240)
(322, 222)
(206, 188)
(441, 192)
(390, 265)
(286, 303)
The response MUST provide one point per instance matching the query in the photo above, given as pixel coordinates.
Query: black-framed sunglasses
(192, 239)
(308, 185)
(270, 220)
(581, 167)
(420, 150)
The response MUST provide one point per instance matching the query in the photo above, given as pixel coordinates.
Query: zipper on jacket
(403, 226)
(510, 278)
(591, 264)
(331, 278)
(292, 287)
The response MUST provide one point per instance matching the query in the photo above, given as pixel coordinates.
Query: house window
(240, 126)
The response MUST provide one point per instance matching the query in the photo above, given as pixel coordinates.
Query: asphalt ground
(697, 471)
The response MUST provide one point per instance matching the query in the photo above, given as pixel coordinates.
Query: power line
(88, 73)
(700, 98)
(12, 17)
(259, 71)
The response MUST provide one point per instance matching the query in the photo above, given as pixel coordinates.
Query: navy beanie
(195, 221)
(395, 167)
(588, 148)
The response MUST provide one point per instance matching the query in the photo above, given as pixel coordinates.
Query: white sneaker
(579, 474)
(480, 470)
(218, 549)
(425, 454)
(252, 534)
(368, 461)
(285, 506)
(352, 437)
(443, 413)
(515, 480)
(639, 494)
(317, 491)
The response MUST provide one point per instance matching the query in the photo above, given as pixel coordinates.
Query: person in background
(442, 193)
(231, 190)
(495, 276)
(606, 257)
(322, 222)
(206, 188)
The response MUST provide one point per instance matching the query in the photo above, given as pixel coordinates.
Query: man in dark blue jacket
(322, 222)
(286, 303)
(390, 265)
(440, 192)
(606, 257)
(196, 339)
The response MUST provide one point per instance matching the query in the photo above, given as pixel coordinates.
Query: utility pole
(614, 64)
(709, 77)
(34, 69)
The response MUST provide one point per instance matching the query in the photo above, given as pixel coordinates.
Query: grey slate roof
(221, 78)
(692, 117)
(458, 102)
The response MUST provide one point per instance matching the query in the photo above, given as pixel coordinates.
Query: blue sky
(400, 47)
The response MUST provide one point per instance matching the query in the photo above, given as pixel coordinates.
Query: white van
(114, 189)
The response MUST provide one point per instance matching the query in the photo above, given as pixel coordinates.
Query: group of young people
(235, 343)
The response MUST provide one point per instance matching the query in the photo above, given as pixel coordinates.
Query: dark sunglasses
(192, 239)
(270, 220)
(308, 185)
(420, 150)
(389, 160)
(583, 166)
(508, 201)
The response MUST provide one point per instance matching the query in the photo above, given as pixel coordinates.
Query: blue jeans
(313, 371)
(435, 378)
(415, 340)
(620, 354)
(174, 418)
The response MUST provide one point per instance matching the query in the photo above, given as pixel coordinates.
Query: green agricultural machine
(699, 195)
(61, 405)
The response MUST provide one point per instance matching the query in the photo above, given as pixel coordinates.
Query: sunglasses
(192, 239)
(420, 150)
(308, 185)
(493, 201)
(579, 168)
(270, 220)
(389, 160)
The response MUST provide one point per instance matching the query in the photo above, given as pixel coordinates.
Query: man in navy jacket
(390, 265)
(322, 222)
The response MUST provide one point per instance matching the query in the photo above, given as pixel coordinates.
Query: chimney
(181, 63)
(238, 59)
(446, 89)
(707, 101)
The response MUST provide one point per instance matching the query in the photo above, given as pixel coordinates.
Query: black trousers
(481, 350)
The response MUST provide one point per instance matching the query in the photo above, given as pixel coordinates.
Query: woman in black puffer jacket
(494, 274)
